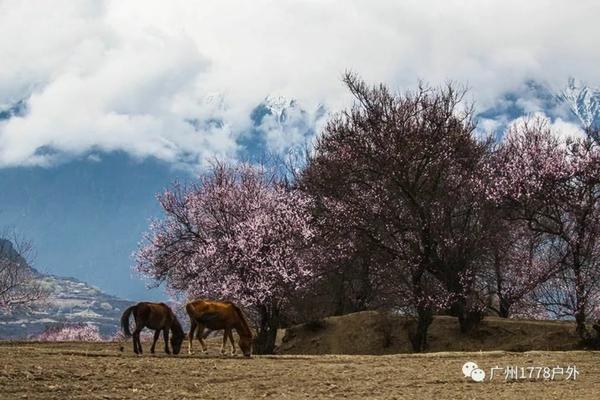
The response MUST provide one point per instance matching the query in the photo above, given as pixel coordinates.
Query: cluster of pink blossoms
(237, 234)
(70, 332)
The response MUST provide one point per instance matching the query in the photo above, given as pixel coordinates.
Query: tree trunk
(337, 287)
(267, 332)
(580, 306)
(580, 327)
(352, 291)
(503, 308)
(364, 296)
(418, 338)
(467, 319)
(340, 299)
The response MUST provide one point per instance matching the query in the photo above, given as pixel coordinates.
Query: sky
(90, 90)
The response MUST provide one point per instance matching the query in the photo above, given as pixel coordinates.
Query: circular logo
(478, 375)
(468, 368)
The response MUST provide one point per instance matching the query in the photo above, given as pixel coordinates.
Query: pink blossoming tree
(70, 332)
(553, 185)
(400, 171)
(520, 262)
(237, 234)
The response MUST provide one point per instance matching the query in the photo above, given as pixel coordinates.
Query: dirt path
(100, 371)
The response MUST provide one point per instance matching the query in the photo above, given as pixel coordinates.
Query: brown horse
(217, 315)
(157, 316)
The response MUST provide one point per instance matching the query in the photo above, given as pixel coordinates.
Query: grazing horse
(157, 316)
(217, 315)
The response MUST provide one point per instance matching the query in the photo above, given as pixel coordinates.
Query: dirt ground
(101, 371)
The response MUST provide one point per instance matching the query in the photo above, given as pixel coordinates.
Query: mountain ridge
(584, 102)
(69, 300)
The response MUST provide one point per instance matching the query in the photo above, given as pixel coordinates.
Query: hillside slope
(70, 300)
(375, 333)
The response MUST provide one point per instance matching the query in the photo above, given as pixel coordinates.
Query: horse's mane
(244, 321)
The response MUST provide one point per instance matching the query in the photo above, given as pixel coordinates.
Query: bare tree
(18, 284)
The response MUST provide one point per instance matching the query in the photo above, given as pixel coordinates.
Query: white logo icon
(471, 370)
(478, 375)
(468, 368)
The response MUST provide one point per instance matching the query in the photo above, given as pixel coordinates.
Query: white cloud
(112, 75)
(488, 126)
(567, 129)
(559, 127)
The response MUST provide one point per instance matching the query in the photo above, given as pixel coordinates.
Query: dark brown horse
(217, 315)
(157, 316)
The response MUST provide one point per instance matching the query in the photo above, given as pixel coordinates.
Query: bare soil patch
(101, 371)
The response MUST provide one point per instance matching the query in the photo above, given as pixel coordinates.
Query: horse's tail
(243, 319)
(125, 320)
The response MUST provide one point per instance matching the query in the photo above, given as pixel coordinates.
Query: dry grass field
(31, 370)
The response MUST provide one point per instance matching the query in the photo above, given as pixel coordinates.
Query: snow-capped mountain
(279, 125)
(584, 102)
(285, 111)
(575, 103)
(69, 300)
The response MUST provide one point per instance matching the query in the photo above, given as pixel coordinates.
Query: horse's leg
(193, 326)
(230, 335)
(166, 337)
(135, 346)
(136, 338)
(156, 335)
(225, 333)
(199, 335)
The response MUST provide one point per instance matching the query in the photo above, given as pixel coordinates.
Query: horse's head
(245, 344)
(176, 340)
(177, 335)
